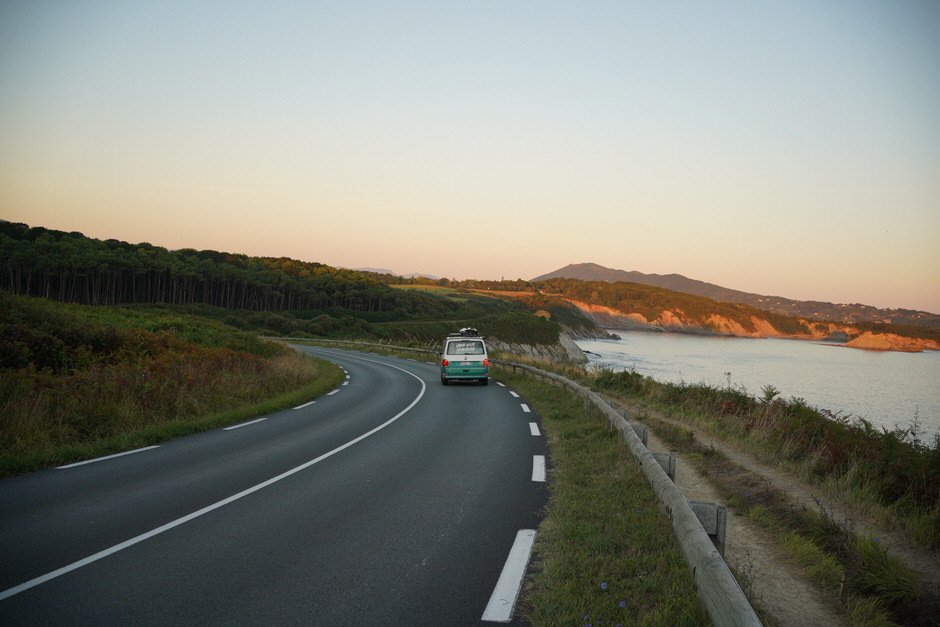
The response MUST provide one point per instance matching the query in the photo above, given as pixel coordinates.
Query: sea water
(889, 389)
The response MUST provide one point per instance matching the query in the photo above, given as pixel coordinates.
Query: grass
(891, 474)
(79, 382)
(868, 585)
(604, 554)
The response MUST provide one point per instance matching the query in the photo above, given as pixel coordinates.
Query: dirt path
(921, 561)
(776, 581)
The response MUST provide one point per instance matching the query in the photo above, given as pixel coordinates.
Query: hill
(274, 296)
(634, 306)
(817, 310)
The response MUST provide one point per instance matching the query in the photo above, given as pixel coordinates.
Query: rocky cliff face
(677, 321)
(565, 351)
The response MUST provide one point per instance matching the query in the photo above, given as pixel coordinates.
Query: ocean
(889, 389)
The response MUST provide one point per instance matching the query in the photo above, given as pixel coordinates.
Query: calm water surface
(887, 388)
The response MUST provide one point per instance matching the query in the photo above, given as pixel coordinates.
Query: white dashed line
(347, 376)
(534, 429)
(32, 583)
(525, 408)
(345, 382)
(333, 392)
(244, 424)
(101, 459)
(513, 394)
(502, 385)
(538, 468)
(503, 600)
(307, 404)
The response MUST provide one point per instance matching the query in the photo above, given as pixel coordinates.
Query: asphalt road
(394, 500)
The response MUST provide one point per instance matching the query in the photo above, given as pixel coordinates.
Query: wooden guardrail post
(714, 519)
(641, 433)
(668, 463)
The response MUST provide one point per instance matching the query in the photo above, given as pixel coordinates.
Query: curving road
(393, 500)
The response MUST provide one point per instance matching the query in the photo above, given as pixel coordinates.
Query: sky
(790, 149)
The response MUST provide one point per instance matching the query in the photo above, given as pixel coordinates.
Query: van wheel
(485, 381)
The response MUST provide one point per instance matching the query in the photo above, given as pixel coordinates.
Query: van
(464, 358)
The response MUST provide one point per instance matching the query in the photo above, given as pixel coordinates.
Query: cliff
(675, 320)
(565, 351)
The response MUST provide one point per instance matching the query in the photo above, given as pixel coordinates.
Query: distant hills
(817, 310)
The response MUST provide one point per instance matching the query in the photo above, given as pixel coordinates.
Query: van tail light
(445, 363)
(486, 362)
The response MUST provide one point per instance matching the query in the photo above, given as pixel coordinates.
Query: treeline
(277, 296)
(70, 267)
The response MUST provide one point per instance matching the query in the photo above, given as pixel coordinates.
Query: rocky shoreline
(715, 325)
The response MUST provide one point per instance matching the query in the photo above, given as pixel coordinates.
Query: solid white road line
(244, 424)
(503, 600)
(101, 459)
(307, 404)
(525, 408)
(333, 392)
(32, 583)
(534, 429)
(538, 468)
(514, 395)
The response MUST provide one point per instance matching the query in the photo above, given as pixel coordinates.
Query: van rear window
(465, 348)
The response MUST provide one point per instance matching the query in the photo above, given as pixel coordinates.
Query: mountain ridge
(818, 310)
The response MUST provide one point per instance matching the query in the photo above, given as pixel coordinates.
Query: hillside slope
(273, 296)
(817, 310)
(632, 306)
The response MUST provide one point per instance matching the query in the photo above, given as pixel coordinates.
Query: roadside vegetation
(860, 577)
(78, 382)
(892, 474)
(605, 554)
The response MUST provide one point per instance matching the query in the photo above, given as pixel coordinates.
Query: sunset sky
(786, 148)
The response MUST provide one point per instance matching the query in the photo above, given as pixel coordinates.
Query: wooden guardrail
(718, 591)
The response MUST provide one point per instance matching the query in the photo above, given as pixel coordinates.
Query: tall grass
(888, 468)
(76, 378)
(873, 588)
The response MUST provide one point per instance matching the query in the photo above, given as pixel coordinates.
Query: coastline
(670, 321)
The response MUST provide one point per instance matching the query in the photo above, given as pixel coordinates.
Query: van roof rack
(465, 332)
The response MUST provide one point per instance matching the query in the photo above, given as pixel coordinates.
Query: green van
(464, 358)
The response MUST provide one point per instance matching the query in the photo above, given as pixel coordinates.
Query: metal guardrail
(718, 591)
